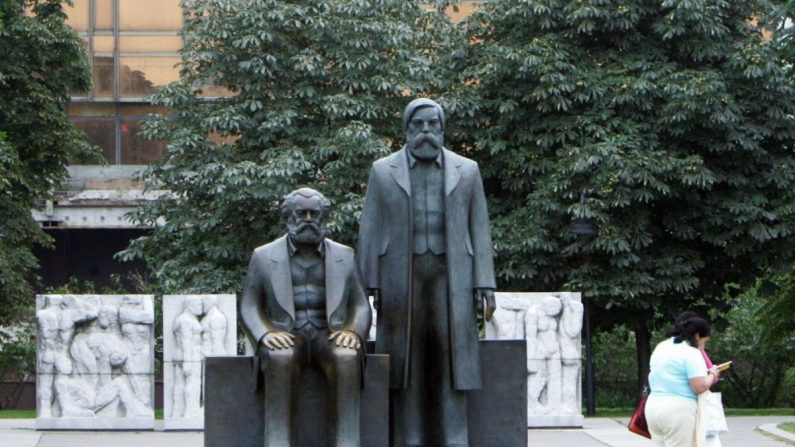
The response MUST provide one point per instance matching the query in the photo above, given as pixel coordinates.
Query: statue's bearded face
(305, 223)
(424, 135)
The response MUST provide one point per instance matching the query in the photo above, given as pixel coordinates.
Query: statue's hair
(287, 203)
(421, 103)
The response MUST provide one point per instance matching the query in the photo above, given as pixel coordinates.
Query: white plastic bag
(714, 418)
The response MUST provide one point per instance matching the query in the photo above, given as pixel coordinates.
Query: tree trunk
(643, 350)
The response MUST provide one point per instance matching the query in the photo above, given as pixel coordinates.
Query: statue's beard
(307, 233)
(425, 146)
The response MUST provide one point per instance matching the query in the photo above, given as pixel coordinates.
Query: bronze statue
(303, 304)
(426, 257)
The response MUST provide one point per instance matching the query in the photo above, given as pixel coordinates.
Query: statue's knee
(345, 357)
(279, 357)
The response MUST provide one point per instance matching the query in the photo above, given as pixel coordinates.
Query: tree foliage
(669, 125)
(758, 375)
(41, 60)
(315, 89)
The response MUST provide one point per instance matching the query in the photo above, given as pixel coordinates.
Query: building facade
(133, 48)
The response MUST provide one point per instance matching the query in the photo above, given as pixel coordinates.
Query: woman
(677, 376)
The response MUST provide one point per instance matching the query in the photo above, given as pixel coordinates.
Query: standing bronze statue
(303, 304)
(426, 257)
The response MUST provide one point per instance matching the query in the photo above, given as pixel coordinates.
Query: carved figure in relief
(57, 322)
(535, 380)
(101, 384)
(506, 322)
(570, 327)
(542, 329)
(214, 326)
(137, 318)
(187, 331)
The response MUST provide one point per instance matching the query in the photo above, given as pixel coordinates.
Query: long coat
(385, 258)
(267, 301)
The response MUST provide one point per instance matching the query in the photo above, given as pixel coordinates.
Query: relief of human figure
(535, 380)
(101, 382)
(214, 327)
(570, 327)
(542, 331)
(549, 348)
(137, 318)
(506, 324)
(57, 321)
(187, 331)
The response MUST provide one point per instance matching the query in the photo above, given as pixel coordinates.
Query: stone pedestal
(233, 411)
(95, 362)
(194, 327)
(234, 408)
(551, 323)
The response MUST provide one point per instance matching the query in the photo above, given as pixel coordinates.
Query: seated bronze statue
(303, 304)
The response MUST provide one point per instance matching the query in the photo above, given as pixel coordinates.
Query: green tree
(314, 94)
(668, 124)
(759, 364)
(41, 60)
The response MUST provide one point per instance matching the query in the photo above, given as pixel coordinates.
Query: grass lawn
(31, 414)
(17, 414)
(627, 412)
(789, 426)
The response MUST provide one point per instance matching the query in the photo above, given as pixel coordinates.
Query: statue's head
(194, 305)
(423, 122)
(305, 211)
(209, 302)
(551, 306)
(107, 316)
(53, 301)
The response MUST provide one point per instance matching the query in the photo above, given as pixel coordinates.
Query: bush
(615, 367)
(761, 374)
(17, 361)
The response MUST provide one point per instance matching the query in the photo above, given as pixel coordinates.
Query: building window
(133, 48)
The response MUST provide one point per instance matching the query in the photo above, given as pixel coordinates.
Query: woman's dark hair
(680, 319)
(690, 328)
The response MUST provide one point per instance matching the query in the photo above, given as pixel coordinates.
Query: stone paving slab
(19, 438)
(598, 432)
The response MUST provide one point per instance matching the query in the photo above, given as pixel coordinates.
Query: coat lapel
(335, 279)
(452, 171)
(281, 278)
(399, 165)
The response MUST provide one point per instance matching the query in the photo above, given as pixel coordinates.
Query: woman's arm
(702, 383)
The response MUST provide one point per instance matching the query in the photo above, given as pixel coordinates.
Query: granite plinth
(497, 413)
(233, 412)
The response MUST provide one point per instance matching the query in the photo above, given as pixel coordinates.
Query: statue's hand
(278, 340)
(486, 297)
(376, 294)
(346, 339)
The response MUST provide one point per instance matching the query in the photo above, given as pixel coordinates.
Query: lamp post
(583, 229)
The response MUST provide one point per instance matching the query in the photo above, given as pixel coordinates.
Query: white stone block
(194, 327)
(551, 322)
(95, 361)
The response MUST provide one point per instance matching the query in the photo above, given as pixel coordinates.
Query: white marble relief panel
(95, 361)
(194, 327)
(551, 323)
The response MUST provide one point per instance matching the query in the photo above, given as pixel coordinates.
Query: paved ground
(598, 432)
